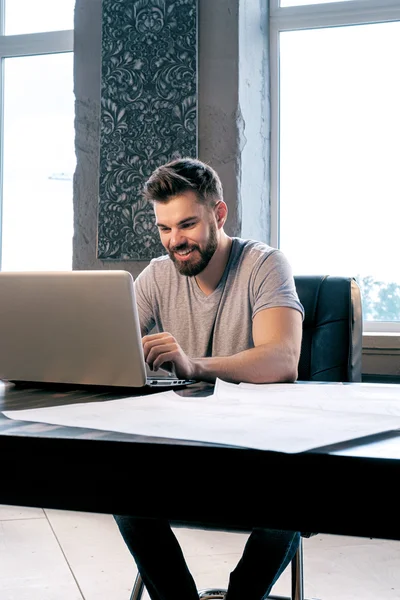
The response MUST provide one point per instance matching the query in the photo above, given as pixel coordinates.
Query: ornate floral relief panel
(148, 114)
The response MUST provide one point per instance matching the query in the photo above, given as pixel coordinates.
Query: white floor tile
(20, 512)
(32, 565)
(197, 542)
(337, 566)
(211, 555)
(96, 554)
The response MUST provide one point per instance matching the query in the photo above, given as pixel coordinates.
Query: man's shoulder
(258, 259)
(252, 250)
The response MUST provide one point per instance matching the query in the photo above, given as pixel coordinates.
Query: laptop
(74, 327)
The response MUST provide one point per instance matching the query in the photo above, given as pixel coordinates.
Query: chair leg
(297, 574)
(138, 588)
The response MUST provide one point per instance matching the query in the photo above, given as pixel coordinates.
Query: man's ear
(221, 212)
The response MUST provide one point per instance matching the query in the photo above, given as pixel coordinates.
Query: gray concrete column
(233, 118)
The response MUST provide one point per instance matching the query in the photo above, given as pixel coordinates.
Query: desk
(350, 490)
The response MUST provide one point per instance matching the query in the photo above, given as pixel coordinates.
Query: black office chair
(331, 350)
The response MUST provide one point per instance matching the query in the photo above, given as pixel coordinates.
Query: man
(222, 307)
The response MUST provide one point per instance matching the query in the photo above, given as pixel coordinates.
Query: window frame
(312, 16)
(15, 46)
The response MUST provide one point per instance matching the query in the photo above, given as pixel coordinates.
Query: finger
(155, 336)
(156, 351)
(167, 358)
(149, 344)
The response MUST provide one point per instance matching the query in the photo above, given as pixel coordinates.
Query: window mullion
(274, 90)
(30, 44)
(2, 16)
(1, 149)
(354, 12)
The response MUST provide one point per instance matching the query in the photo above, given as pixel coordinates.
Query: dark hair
(182, 175)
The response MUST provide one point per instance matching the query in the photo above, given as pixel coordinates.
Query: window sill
(381, 354)
(379, 340)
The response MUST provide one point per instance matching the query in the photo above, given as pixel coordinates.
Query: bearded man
(218, 307)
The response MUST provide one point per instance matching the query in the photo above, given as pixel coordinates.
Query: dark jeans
(166, 576)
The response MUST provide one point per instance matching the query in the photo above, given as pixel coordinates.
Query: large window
(336, 145)
(37, 134)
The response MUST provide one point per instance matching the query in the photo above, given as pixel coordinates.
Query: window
(336, 145)
(37, 134)
(25, 16)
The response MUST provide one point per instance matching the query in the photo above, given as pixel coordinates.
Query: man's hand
(162, 350)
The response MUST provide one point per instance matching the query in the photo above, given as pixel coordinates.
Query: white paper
(282, 417)
(356, 398)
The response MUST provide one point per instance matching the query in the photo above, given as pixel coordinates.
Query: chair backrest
(331, 348)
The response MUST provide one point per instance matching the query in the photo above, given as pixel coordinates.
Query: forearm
(267, 363)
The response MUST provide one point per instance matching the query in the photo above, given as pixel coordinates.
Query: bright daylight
(39, 156)
(339, 158)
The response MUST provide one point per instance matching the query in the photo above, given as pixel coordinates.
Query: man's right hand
(161, 350)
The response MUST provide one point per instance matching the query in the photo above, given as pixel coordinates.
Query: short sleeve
(144, 301)
(273, 284)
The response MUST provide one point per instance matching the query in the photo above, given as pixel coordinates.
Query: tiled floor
(57, 555)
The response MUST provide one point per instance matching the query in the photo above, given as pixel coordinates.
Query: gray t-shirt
(256, 277)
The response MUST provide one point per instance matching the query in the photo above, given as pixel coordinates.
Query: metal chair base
(138, 588)
(212, 594)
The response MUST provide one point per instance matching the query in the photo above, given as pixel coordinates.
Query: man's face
(188, 232)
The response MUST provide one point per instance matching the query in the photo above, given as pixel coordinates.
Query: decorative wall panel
(148, 114)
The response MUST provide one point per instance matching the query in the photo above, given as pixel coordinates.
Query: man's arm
(277, 339)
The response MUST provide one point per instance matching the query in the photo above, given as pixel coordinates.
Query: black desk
(195, 484)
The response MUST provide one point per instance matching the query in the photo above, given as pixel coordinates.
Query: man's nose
(177, 239)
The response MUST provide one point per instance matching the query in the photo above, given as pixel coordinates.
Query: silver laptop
(73, 327)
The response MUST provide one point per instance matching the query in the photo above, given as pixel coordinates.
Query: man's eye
(187, 225)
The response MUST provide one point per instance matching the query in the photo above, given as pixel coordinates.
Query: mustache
(181, 247)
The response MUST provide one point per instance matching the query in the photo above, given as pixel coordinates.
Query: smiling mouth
(184, 254)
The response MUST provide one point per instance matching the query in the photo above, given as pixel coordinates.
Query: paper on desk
(363, 398)
(282, 417)
(310, 415)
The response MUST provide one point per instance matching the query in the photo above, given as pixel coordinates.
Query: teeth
(184, 253)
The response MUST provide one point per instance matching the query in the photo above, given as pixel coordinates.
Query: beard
(200, 258)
